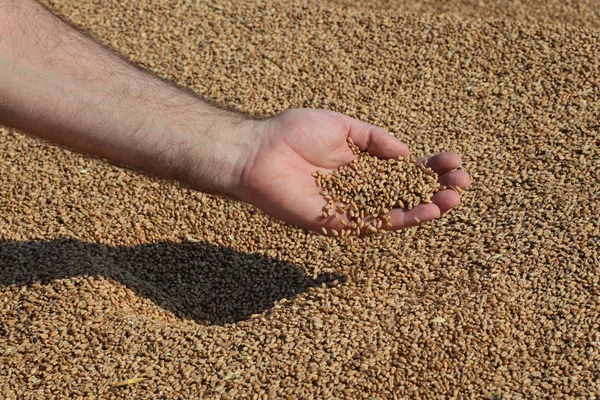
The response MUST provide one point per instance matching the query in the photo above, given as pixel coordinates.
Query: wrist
(212, 149)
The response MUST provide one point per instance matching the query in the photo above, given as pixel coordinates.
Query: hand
(278, 179)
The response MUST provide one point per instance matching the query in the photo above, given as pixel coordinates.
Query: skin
(61, 86)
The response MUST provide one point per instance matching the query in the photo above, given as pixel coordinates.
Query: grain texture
(108, 276)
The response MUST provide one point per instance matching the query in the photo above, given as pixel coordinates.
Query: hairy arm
(58, 84)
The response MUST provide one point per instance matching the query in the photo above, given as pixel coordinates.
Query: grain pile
(580, 13)
(109, 276)
(362, 193)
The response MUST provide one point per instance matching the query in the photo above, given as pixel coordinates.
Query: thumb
(374, 140)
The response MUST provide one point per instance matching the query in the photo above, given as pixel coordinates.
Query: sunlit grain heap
(114, 285)
(368, 188)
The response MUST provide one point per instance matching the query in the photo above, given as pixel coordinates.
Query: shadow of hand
(199, 281)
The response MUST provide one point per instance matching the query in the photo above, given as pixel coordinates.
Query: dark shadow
(195, 280)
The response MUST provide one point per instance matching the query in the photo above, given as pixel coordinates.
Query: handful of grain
(368, 188)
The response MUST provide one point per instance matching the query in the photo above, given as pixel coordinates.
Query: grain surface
(108, 277)
(579, 13)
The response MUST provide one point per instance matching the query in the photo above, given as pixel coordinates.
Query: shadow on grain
(194, 280)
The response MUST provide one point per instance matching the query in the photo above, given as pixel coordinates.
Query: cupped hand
(291, 146)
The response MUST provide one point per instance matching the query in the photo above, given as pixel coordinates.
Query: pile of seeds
(580, 13)
(368, 188)
(114, 285)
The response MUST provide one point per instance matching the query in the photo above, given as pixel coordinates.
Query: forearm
(60, 85)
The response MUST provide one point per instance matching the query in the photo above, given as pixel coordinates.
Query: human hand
(290, 147)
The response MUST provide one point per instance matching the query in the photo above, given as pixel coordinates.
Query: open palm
(298, 142)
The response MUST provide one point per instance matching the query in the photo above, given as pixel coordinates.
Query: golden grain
(108, 275)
